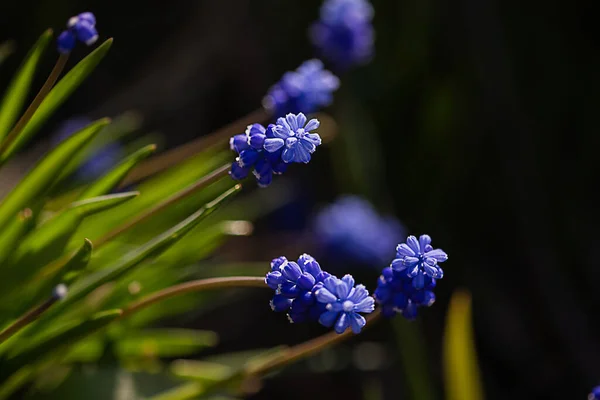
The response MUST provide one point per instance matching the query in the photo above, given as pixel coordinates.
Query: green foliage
(109, 248)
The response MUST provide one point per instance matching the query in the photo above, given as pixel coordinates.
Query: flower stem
(304, 350)
(195, 286)
(185, 151)
(27, 318)
(45, 89)
(203, 182)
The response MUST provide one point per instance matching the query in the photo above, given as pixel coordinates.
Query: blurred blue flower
(292, 134)
(295, 284)
(595, 394)
(417, 259)
(408, 284)
(343, 303)
(344, 34)
(97, 163)
(351, 230)
(306, 90)
(252, 156)
(81, 27)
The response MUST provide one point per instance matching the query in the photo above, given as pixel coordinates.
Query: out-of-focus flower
(351, 230)
(343, 303)
(100, 161)
(81, 27)
(594, 394)
(417, 258)
(344, 34)
(306, 90)
(402, 290)
(295, 284)
(292, 134)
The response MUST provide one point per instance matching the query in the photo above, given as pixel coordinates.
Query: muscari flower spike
(343, 303)
(344, 34)
(407, 285)
(351, 230)
(594, 394)
(295, 284)
(306, 90)
(81, 27)
(292, 135)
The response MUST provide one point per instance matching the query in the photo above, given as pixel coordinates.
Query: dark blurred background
(476, 122)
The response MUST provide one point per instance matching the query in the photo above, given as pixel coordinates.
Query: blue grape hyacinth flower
(344, 303)
(419, 259)
(344, 33)
(351, 230)
(295, 284)
(81, 27)
(252, 156)
(306, 90)
(594, 394)
(408, 284)
(292, 134)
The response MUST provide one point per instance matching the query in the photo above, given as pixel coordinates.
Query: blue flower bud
(239, 143)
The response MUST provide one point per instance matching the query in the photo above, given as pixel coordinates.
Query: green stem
(45, 89)
(27, 318)
(194, 286)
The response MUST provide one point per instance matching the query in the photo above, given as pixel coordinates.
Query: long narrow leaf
(57, 96)
(109, 181)
(37, 182)
(19, 87)
(460, 358)
(49, 241)
(16, 229)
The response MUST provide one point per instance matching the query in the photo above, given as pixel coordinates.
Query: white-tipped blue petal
(438, 254)
(312, 125)
(404, 250)
(398, 264)
(292, 121)
(300, 120)
(296, 153)
(328, 318)
(291, 271)
(325, 296)
(357, 322)
(314, 138)
(429, 270)
(359, 293)
(273, 144)
(342, 323)
(424, 240)
(410, 261)
(349, 281)
(367, 305)
(307, 145)
(329, 283)
(412, 273)
(288, 155)
(413, 243)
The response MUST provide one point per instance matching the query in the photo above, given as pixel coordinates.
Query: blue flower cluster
(308, 293)
(269, 150)
(344, 34)
(81, 27)
(595, 394)
(409, 282)
(351, 230)
(307, 89)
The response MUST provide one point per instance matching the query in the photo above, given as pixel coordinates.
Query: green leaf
(12, 235)
(36, 184)
(158, 343)
(17, 91)
(109, 181)
(57, 96)
(127, 263)
(57, 342)
(187, 391)
(49, 241)
(202, 371)
(460, 358)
